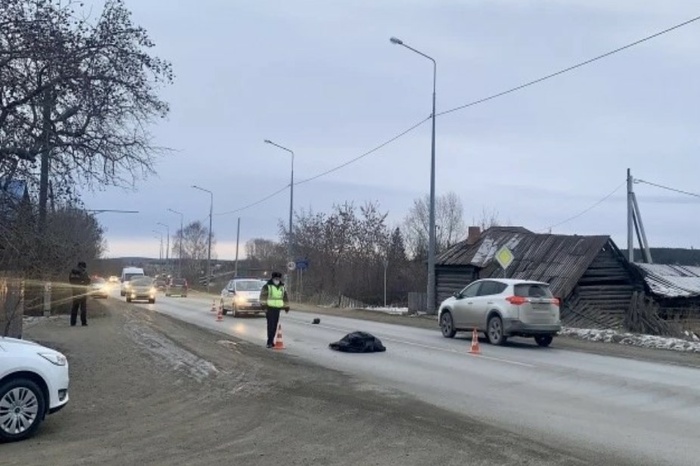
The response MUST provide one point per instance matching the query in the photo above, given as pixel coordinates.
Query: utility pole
(238, 238)
(630, 218)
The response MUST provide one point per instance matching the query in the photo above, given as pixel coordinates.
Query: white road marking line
(420, 345)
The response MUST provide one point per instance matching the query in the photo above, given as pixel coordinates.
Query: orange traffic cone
(213, 305)
(475, 343)
(219, 316)
(279, 344)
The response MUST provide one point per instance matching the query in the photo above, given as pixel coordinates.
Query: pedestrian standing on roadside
(79, 281)
(273, 297)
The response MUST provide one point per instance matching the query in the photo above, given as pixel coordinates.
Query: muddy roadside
(148, 389)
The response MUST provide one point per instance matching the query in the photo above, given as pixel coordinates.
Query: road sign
(302, 264)
(504, 257)
(291, 265)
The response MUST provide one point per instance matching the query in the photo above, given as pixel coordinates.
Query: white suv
(33, 383)
(502, 308)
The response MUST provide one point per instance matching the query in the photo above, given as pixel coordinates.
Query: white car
(502, 308)
(33, 383)
(242, 296)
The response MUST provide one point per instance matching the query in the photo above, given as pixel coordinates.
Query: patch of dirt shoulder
(561, 342)
(148, 389)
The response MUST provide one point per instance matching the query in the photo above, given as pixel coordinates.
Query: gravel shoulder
(148, 389)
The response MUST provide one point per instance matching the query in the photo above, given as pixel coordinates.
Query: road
(629, 410)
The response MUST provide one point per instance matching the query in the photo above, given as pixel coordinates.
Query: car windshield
(142, 281)
(532, 290)
(249, 285)
(179, 281)
(129, 276)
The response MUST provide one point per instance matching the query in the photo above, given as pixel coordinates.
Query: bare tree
(194, 238)
(76, 96)
(488, 219)
(449, 222)
(264, 253)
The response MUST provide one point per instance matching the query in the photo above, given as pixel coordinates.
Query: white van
(127, 274)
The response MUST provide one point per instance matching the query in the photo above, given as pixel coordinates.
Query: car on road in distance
(127, 274)
(113, 279)
(141, 288)
(161, 284)
(176, 287)
(502, 308)
(33, 384)
(99, 288)
(242, 296)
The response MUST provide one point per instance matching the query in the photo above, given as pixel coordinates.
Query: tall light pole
(211, 214)
(167, 244)
(182, 234)
(431, 232)
(160, 237)
(238, 238)
(290, 250)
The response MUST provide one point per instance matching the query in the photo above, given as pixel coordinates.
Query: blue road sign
(302, 264)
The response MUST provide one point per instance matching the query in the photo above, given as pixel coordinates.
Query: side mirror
(457, 295)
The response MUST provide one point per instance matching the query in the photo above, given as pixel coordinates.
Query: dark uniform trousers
(273, 319)
(79, 303)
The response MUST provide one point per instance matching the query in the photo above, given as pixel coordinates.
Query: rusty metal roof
(671, 281)
(560, 260)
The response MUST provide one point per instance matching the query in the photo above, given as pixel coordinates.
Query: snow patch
(176, 357)
(30, 321)
(396, 311)
(632, 339)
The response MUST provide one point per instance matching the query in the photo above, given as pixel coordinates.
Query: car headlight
(153, 290)
(54, 358)
(240, 299)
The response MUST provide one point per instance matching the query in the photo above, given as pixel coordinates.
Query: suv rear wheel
(494, 331)
(544, 340)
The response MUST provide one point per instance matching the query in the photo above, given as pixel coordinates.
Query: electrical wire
(588, 209)
(679, 191)
(570, 68)
(471, 104)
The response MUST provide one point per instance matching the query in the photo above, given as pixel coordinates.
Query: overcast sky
(322, 78)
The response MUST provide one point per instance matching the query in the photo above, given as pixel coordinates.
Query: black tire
(544, 340)
(151, 301)
(35, 405)
(447, 325)
(128, 300)
(121, 293)
(235, 312)
(494, 331)
(166, 294)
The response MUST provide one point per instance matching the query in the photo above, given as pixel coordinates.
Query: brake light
(517, 300)
(556, 301)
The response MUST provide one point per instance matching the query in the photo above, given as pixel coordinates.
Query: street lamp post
(290, 250)
(182, 234)
(211, 214)
(160, 237)
(431, 232)
(167, 244)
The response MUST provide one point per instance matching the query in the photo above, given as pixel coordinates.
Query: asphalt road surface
(644, 412)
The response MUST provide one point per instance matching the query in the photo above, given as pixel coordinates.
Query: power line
(471, 104)
(253, 204)
(679, 191)
(372, 151)
(571, 68)
(343, 165)
(585, 211)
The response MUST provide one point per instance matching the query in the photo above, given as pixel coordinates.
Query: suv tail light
(556, 301)
(517, 300)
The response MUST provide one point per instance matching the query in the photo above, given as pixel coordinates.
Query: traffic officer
(79, 281)
(273, 297)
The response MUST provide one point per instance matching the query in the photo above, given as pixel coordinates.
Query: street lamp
(431, 232)
(160, 237)
(182, 235)
(167, 247)
(211, 213)
(290, 250)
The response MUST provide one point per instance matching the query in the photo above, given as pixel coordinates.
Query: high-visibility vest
(275, 296)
